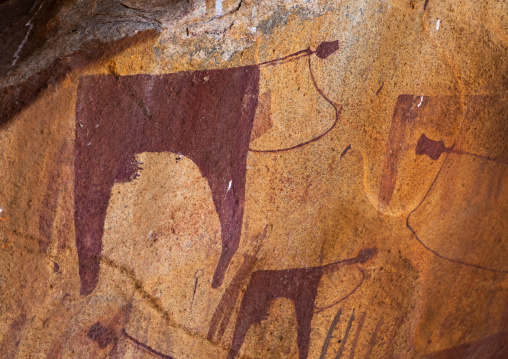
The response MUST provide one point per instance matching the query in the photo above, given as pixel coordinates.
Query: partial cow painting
(204, 115)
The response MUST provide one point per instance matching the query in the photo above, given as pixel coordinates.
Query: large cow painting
(204, 115)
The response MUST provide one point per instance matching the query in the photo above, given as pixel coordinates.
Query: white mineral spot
(437, 24)
(218, 7)
(421, 100)
(229, 187)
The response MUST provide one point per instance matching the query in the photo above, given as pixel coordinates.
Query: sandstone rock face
(253, 179)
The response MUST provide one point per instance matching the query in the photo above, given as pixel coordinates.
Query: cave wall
(253, 179)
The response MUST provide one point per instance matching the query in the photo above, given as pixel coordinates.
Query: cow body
(204, 115)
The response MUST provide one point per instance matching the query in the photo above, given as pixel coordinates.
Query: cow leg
(304, 311)
(91, 197)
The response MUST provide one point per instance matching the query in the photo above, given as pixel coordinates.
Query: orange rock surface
(242, 179)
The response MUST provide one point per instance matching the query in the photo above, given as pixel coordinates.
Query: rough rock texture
(253, 179)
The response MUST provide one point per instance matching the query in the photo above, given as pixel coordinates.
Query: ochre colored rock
(242, 179)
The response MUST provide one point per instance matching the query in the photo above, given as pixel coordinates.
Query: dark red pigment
(101, 335)
(146, 347)
(434, 149)
(204, 115)
(346, 336)
(477, 105)
(404, 115)
(412, 111)
(431, 148)
(224, 310)
(492, 347)
(343, 341)
(357, 335)
(345, 151)
(337, 108)
(299, 285)
(373, 338)
(325, 49)
(329, 335)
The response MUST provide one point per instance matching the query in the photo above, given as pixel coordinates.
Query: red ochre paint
(204, 115)
(299, 285)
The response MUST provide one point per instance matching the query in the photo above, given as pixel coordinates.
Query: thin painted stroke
(408, 225)
(328, 338)
(346, 335)
(337, 108)
(146, 347)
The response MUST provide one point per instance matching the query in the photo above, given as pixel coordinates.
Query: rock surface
(244, 179)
